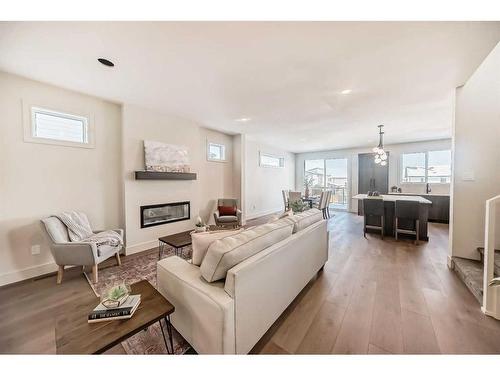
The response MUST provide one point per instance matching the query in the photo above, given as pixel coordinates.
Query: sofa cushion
(304, 219)
(201, 241)
(283, 215)
(225, 253)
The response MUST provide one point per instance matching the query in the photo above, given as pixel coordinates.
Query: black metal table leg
(169, 332)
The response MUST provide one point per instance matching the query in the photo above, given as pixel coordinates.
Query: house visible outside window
(273, 161)
(56, 127)
(216, 152)
(426, 167)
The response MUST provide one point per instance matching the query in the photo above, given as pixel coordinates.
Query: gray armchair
(222, 220)
(67, 253)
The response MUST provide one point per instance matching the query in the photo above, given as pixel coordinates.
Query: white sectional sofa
(253, 275)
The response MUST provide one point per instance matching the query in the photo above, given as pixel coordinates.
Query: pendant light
(380, 154)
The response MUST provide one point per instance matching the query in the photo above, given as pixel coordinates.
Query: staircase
(471, 272)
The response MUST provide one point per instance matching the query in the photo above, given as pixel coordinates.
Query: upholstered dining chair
(67, 253)
(284, 193)
(227, 213)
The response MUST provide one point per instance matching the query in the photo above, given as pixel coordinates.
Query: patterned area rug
(135, 268)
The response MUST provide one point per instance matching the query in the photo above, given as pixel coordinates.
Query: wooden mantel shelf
(147, 175)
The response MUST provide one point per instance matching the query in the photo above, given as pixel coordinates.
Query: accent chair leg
(95, 277)
(118, 260)
(60, 273)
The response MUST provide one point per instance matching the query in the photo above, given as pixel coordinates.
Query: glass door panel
(314, 170)
(336, 181)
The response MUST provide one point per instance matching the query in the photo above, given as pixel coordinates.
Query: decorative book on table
(124, 311)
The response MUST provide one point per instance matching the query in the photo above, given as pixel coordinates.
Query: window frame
(426, 168)
(223, 151)
(266, 154)
(30, 110)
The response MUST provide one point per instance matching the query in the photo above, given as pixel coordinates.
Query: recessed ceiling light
(106, 62)
(345, 92)
(243, 119)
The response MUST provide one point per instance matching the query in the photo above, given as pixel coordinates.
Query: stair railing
(491, 294)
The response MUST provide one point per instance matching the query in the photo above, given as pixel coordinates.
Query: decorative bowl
(115, 296)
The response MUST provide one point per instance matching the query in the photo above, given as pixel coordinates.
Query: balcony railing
(338, 197)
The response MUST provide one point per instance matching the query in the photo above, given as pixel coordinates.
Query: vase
(200, 229)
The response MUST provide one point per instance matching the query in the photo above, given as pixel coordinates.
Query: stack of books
(125, 311)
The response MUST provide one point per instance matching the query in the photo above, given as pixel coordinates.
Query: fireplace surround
(164, 213)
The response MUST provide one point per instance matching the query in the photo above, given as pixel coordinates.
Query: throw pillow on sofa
(304, 219)
(224, 254)
(202, 240)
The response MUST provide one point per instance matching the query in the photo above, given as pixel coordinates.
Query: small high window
(267, 160)
(216, 152)
(53, 127)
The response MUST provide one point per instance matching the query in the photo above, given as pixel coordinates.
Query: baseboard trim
(137, 248)
(27, 273)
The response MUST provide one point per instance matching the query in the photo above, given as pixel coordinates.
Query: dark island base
(403, 224)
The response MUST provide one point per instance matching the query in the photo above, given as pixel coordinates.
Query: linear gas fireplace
(158, 214)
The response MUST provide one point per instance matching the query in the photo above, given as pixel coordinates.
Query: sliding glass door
(336, 181)
(328, 174)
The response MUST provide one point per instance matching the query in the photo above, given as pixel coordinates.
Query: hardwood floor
(374, 297)
(381, 297)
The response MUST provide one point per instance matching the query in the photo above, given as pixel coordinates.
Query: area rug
(135, 268)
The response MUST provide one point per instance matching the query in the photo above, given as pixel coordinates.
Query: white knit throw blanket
(79, 230)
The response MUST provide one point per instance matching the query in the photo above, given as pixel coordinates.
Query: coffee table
(74, 335)
(179, 241)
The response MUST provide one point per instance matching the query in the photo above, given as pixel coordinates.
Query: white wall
(263, 185)
(476, 156)
(395, 152)
(37, 180)
(214, 179)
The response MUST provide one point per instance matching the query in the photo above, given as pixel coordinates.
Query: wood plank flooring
(383, 297)
(373, 297)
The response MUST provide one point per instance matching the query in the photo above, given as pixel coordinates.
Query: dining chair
(409, 210)
(373, 207)
(327, 203)
(294, 196)
(285, 199)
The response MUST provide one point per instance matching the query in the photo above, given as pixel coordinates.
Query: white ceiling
(286, 76)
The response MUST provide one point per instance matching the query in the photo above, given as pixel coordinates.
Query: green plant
(118, 292)
(298, 206)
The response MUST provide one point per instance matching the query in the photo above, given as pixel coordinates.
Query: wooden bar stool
(409, 210)
(373, 207)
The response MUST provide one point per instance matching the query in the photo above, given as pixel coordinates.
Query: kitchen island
(389, 203)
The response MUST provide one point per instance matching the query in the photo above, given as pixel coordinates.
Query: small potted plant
(200, 226)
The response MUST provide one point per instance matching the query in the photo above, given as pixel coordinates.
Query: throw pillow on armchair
(226, 210)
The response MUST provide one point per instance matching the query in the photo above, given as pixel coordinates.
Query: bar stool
(409, 210)
(373, 207)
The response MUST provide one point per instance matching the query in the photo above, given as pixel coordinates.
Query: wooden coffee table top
(183, 239)
(74, 335)
(177, 240)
